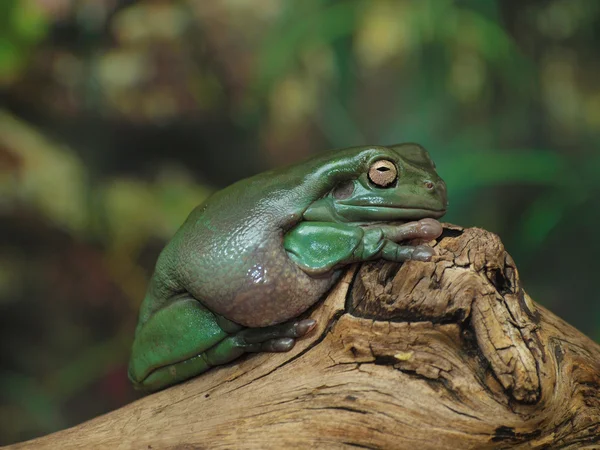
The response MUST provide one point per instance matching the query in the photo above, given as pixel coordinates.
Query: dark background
(118, 117)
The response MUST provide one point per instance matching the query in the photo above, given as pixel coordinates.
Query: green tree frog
(257, 254)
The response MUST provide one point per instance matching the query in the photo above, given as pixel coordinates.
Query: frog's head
(395, 183)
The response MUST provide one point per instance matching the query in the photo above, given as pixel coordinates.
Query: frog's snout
(434, 186)
(437, 188)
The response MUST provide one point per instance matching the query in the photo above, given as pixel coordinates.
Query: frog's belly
(277, 294)
(261, 288)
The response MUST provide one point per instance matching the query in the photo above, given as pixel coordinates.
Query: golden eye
(383, 173)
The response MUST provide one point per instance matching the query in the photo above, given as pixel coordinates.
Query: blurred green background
(118, 117)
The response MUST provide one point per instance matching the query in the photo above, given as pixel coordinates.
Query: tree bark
(447, 354)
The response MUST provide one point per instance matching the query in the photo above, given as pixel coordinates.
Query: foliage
(22, 27)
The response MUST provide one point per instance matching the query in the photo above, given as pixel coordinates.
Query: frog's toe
(278, 345)
(295, 329)
(422, 253)
(429, 229)
(394, 252)
(301, 327)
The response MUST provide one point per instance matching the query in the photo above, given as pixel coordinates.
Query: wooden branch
(447, 354)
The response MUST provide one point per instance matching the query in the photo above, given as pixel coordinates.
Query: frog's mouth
(353, 212)
(325, 210)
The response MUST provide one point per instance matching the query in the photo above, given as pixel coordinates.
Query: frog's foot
(382, 240)
(276, 338)
(224, 346)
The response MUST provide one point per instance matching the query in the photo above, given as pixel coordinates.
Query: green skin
(260, 252)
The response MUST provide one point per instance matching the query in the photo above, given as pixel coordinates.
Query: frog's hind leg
(177, 332)
(278, 338)
(185, 339)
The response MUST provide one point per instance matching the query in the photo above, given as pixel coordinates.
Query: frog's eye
(383, 173)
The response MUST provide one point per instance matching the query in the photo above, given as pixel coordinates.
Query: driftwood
(440, 355)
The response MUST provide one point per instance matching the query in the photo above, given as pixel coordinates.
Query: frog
(246, 264)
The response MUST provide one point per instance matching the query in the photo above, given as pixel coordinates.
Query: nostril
(429, 185)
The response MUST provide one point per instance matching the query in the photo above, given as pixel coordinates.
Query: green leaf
(312, 25)
(28, 21)
(10, 59)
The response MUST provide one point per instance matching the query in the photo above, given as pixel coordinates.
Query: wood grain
(447, 354)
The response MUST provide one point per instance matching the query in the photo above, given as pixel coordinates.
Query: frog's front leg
(184, 339)
(319, 247)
